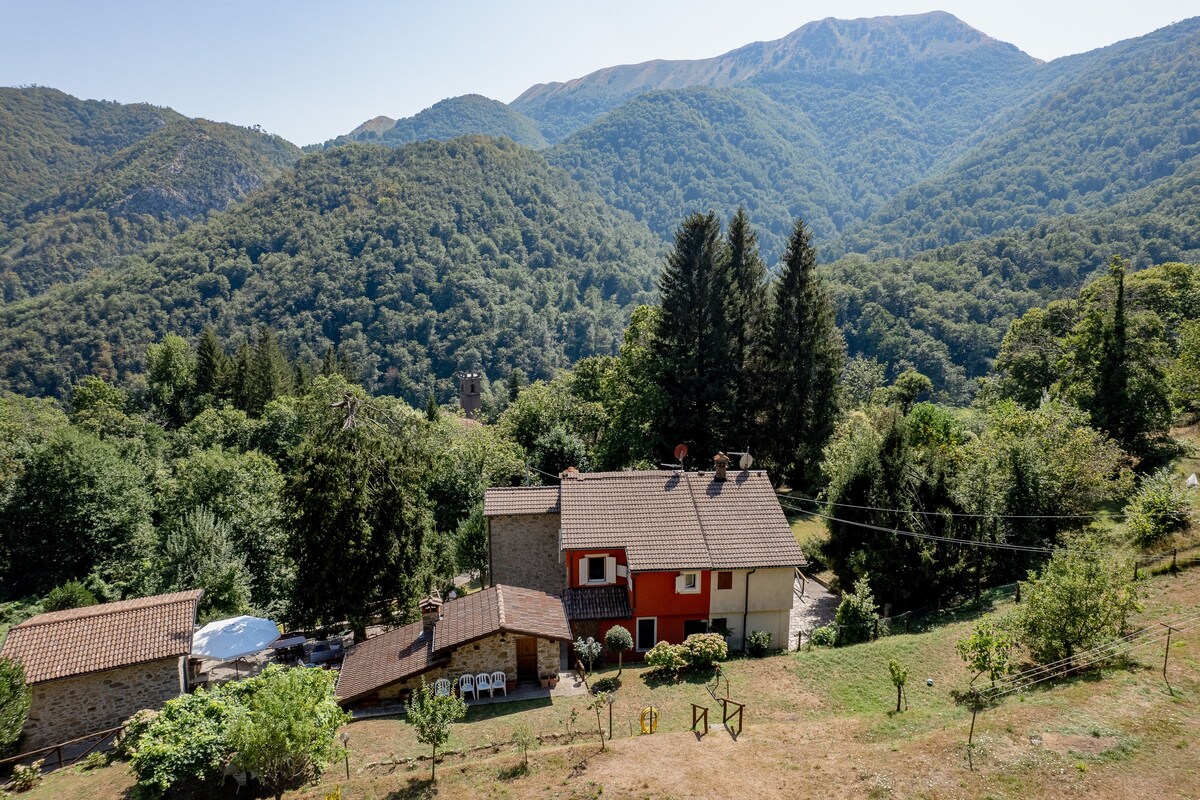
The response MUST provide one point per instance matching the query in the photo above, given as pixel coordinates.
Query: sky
(310, 71)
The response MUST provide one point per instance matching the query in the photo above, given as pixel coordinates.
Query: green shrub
(702, 650)
(27, 776)
(610, 684)
(824, 636)
(94, 761)
(1159, 508)
(758, 643)
(856, 615)
(71, 594)
(664, 657)
(14, 702)
(132, 731)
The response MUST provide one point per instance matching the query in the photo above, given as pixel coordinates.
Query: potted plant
(553, 680)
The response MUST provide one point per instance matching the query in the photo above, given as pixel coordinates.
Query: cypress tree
(1111, 405)
(746, 308)
(691, 343)
(805, 355)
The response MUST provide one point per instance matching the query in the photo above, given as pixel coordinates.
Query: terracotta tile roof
(497, 609)
(385, 659)
(511, 500)
(61, 644)
(598, 602)
(667, 520)
(404, 653)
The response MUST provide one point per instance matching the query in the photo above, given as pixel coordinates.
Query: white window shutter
(610, 570)
(622, 571)
(583, 571)
(678, 584)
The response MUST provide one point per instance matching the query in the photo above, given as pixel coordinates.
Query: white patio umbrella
(230, 639)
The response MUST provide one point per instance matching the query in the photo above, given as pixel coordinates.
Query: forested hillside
(449, 119)
(412, 263)
(144, 193)
(705, 149)
(1131, 118)
(50, 138)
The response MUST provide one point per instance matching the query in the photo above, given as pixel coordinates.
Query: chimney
(720, 464)
(570, 473)
(431, 612)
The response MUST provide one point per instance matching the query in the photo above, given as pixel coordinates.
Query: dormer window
(599, 569)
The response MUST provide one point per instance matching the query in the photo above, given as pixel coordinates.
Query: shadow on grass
(692, 677)
(497, 710)
(513, 772)
(415, 789)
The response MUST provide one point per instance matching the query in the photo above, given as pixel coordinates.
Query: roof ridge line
(98, 610)
(500, 605)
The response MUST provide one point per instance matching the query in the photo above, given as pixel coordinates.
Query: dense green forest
(450, 119)
(142, 194)
(413, 263)
(1128, 120)
(51, 138)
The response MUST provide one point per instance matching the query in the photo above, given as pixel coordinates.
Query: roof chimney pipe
(431, 612)
(720, 463)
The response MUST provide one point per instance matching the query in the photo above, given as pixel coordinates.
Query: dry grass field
(818, 724)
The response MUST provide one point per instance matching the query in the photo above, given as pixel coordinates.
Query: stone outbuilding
(92, 668)
(501, 628)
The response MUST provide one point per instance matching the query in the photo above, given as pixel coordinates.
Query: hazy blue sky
(310, 71)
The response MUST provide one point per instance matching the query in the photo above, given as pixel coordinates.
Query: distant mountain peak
(852, 45)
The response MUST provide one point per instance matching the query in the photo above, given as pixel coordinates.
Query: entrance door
(527, 666)
(694, 626)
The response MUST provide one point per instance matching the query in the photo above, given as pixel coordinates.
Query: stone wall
(523, 551)
(486, 655)
(72, 707)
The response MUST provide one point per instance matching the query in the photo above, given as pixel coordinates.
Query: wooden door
(527, 662)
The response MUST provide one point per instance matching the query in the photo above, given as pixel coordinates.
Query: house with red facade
(664, 553)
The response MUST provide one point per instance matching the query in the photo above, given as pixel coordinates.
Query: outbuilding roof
(518, 500)
(406, 652)
(63, 644)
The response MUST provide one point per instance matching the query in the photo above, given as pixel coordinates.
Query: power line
(930, 536)
(952, 513)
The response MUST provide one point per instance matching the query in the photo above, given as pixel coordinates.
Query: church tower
(469, 386)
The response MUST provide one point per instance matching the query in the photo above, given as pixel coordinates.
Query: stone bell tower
(469, 386)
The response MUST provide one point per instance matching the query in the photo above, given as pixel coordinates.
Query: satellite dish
(746, 461)
(680, 452)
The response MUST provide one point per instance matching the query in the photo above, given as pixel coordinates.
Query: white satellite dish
(746, 461)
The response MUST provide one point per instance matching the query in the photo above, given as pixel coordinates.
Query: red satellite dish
(680, 452)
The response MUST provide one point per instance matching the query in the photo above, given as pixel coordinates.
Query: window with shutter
(724, 580)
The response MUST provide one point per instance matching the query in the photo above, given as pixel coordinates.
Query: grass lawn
(818, 723)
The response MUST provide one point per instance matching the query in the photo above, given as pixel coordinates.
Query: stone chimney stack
(570, 474)
(720, 464)
(431, 612)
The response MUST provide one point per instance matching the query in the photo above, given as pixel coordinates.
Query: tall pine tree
(747, 310)
(691, 344)
(211, 367)
(270, 374)
(805, 354)
(359, 511)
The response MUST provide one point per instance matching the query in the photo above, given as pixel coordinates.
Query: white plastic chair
(466, 683)
(441, 687)
(481, 683)
(499, 681)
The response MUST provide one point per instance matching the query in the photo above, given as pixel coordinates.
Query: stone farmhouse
(92, 668)
(507, 629)
(663, 553)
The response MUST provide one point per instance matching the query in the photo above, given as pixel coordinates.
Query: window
(687, 583)
(647, 633)
(724, 580)
(689, 580)
(691, 626)
(720, 625)
(595, 569)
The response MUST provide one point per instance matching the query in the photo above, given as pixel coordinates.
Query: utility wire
(966, 514)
